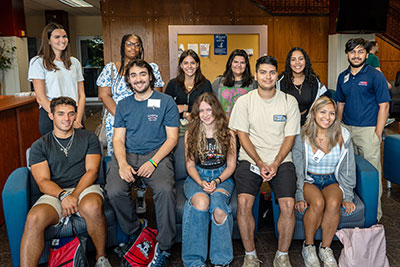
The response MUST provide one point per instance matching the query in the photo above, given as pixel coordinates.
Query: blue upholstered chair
(391, 156)
(181, 175)
(366, 200)
(20, 193)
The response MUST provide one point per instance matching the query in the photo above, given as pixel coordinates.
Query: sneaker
(251, 261)
(389, 121)
(282, 261)
(102, 262)
(310, 256)
(326, 256)
(160, 257)
(141, 201)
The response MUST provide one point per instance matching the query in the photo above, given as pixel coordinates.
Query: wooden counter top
(10, 101)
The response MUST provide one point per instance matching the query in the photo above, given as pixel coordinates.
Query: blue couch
(21, 192)
(366, 200)
(391, 155)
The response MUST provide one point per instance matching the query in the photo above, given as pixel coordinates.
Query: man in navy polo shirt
(363, 105)
(145, 132)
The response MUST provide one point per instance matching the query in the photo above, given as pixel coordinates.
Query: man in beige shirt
(266, 121)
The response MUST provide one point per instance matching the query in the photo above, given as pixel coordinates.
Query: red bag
(139, 253)
(68, 251)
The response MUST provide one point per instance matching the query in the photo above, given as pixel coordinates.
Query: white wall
(15, 79)
(337, 59)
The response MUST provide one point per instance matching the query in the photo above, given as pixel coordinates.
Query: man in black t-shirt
(65, 165)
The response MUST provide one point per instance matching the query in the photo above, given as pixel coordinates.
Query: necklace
(298, 87)
(66, 148)
(320, 140)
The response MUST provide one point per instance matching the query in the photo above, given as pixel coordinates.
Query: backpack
(139, 252)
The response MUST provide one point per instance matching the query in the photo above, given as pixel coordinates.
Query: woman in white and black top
(210, 148)
(300, 81)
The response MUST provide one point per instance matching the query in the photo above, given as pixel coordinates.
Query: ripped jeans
(196, 223)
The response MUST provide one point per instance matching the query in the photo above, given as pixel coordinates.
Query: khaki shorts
(56, 204)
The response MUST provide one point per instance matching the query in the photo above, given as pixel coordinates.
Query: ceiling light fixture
(76, 3)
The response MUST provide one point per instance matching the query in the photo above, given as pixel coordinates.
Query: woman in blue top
(323, 155)
(210, 149)
(112, 85)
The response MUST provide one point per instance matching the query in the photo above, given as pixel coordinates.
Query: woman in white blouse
(54, 73)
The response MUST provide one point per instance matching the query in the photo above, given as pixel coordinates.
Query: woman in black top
(189, 84)
(300, 81)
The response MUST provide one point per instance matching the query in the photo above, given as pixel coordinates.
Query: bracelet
(154, 164)
(65, 195)
(219, 178)
(61, 194)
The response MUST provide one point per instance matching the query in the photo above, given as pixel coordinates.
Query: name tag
(318, 156)
(154, 103)
(280, 118)
(346, 78)
(363, 83)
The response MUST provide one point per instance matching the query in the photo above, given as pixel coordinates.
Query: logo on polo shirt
(363, 83)
(152, 117)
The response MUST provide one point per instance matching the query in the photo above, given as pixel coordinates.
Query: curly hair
(122, 50)
(309, 132)
(199, 77)
(196, 141)
(229, 79)
(46, 51)
(310, 76)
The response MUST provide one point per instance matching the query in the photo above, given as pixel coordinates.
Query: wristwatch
(64, 195)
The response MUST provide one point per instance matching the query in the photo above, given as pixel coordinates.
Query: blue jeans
(195, 223)
(322, 180)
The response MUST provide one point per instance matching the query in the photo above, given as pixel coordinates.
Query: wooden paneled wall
(150, 19)
(389, 57)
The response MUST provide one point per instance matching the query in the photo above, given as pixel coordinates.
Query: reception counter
(19, 117)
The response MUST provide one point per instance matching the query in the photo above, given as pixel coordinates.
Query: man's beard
(357, 65)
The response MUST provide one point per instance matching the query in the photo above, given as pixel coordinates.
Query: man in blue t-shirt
(145, 132)
(363, 105)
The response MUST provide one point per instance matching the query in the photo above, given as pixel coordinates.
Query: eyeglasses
(129, 44)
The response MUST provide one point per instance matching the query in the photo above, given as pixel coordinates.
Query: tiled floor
(266, 243)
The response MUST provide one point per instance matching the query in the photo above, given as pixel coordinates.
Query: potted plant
(6, 54)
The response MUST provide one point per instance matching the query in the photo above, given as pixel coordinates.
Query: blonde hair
(309, 132)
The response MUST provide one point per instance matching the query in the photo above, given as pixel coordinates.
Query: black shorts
(283, 184)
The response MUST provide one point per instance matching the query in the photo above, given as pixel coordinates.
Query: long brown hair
(198, 78)
(47, 53)
(309, 132)
(196, 142)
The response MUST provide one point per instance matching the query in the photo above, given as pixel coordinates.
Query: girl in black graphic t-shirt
(210, 149)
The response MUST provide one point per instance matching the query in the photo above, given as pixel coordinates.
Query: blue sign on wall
(220, 44)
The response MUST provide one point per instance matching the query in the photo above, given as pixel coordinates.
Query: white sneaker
(103, 262)
(281, 261)
(251, 261)
(326, 256)
(310, 256)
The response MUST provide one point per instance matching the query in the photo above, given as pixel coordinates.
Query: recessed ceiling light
(76, 3)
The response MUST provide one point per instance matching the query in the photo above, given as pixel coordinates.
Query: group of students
(290, 135)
